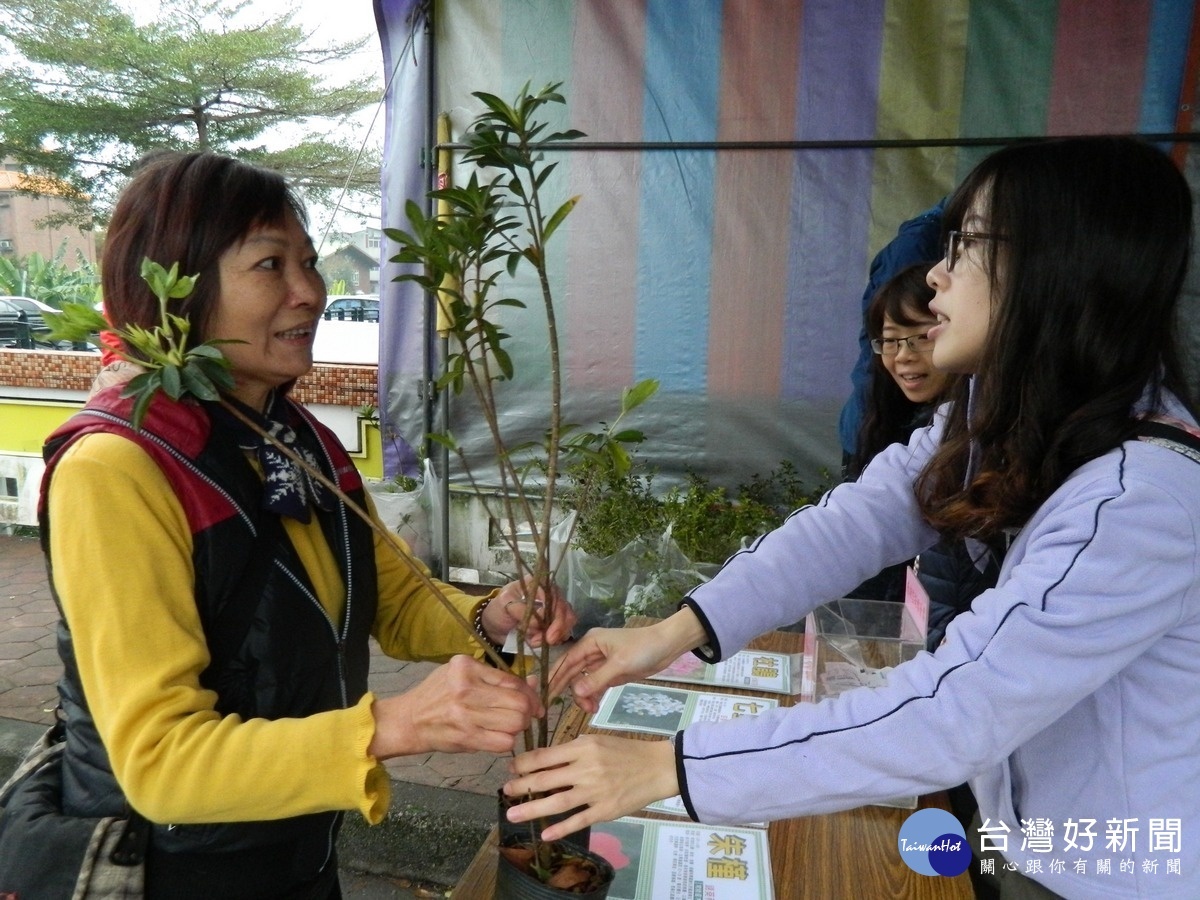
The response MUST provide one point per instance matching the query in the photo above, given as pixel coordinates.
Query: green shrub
(706, 523)
(633, 566)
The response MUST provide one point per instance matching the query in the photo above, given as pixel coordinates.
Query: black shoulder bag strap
(1172, 437)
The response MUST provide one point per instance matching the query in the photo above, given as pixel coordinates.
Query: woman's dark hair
(889, 416)
(186, 209)
(1096, 239)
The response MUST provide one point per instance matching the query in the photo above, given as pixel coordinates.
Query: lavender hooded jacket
(1070, 692)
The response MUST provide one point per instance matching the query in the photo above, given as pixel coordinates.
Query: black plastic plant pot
(526, 831)
(512, 883)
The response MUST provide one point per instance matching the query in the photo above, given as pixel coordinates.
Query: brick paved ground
(29, 669)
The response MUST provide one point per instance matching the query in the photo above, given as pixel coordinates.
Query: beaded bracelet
(478, 622)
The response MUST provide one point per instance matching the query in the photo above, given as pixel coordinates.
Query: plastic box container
(855, 643)
(851, 643)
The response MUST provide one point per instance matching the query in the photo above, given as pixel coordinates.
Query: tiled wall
(32, 369)
(339, 385)
(335, 385)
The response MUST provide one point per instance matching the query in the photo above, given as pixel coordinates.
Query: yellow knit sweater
(122, 558)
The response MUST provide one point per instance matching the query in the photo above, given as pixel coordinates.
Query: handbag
(46, 855)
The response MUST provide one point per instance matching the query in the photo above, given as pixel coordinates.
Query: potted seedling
(483, 232)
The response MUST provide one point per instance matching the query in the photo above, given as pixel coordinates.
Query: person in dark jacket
(916, 240)
(904, 391)
(904, 387)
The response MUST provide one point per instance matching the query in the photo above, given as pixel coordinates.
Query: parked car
(353, 307)
(10, 318)
(30, 303)
(17, 310)
(33, 310)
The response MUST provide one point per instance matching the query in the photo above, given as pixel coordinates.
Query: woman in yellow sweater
(217, 602)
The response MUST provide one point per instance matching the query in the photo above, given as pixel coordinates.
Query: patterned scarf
(288, 490)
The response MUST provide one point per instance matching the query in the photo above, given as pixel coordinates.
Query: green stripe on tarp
(536, 50)
(920, 94)
(1006, 86)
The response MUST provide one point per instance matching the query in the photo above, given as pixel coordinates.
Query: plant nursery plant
(485, 230)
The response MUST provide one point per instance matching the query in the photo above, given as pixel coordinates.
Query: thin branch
(393, 541)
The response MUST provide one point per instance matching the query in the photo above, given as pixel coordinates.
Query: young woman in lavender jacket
(1069, 695)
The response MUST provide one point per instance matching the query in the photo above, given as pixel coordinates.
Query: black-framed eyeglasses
(957, 240)
(917, 343)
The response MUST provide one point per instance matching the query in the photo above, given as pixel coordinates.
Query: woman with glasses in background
(905, 387)
(1069, 695)
(905, 390)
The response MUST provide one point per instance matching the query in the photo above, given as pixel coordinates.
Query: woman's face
(963, 302)
(913, 370)
(271, 298)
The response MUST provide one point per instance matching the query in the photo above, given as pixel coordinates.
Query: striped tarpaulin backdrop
(734, 275)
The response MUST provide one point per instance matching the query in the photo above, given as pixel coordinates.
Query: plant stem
(390, 539)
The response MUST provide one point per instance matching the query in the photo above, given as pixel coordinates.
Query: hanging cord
(414, 17)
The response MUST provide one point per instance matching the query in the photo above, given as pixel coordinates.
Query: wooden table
(850, 854)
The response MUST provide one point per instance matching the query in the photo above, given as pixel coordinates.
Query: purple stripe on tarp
(831, 197)
(402, 326)
(1166, 59)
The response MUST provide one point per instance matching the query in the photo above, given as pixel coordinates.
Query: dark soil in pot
(573, 873)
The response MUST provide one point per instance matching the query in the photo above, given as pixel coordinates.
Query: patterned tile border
(335, 385)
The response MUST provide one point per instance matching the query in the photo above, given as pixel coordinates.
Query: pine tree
(85, 91)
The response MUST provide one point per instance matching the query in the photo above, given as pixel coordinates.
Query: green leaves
(483, 230)
(172, 367)
(559, 214)
(169, 365)
(633, 397)
(75, 322)
(166, 284)
(607, 450)
(509, 137)
(50, 280)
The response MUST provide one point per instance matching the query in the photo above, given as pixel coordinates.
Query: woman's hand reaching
(610, 776)
(607, 656)
(551, 621)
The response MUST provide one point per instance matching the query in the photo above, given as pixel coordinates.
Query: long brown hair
(1097, 235)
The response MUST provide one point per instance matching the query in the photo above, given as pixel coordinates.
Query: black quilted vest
(275, 653)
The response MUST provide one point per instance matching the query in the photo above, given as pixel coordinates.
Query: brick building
(24, 202)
